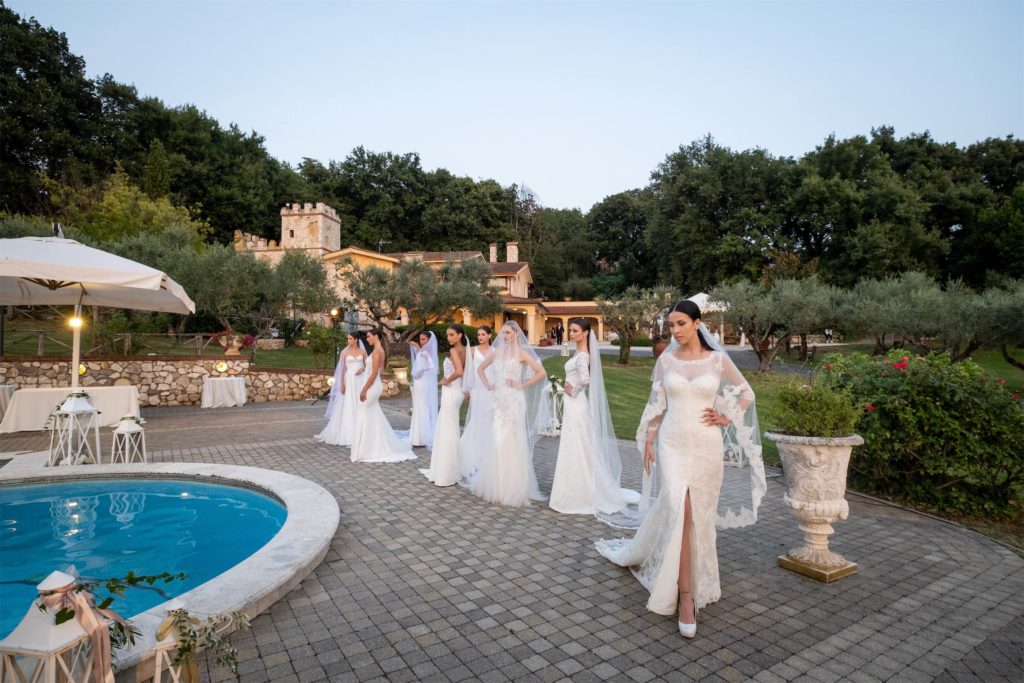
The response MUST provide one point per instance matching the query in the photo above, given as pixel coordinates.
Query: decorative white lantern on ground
(557, 392)
(40, 650)
(129, 441)
(69, 435)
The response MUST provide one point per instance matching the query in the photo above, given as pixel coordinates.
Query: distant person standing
(828, 335)
(559, 334)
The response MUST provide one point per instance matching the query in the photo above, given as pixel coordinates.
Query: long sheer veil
(538, 401)
(339, 370)
(610, 499)
(424, 361)
(743, 483)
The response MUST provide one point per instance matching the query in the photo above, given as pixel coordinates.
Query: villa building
(316, 229)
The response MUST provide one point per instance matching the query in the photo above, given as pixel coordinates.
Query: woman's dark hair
(379, 333)
(487, 329)
(692, 311)
(582, 323)
(462, 334)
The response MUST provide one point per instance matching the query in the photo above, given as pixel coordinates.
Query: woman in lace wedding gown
(444, 456)
(480, 415)
(341, 408)
(588, 467)
(375, 440)
(697, 392)
(424, 390)
(506, 476)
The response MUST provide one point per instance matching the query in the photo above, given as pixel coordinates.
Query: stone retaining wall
(171, 380)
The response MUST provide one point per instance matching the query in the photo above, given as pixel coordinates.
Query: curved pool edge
(254, 584)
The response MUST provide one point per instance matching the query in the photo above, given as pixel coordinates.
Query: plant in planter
(233, 342)
(815, 436)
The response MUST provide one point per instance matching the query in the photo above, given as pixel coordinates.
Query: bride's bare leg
(687, 613)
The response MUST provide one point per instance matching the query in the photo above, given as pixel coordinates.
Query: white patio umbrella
(53, 271)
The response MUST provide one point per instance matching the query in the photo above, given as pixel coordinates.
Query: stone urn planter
(659, 347)
(815, 470)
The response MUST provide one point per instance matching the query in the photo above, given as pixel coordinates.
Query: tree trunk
(1004, 349)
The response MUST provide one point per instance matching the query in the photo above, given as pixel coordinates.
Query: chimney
(494, 252)
(512, 252)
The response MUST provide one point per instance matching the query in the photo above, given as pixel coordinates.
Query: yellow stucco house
(316, 229)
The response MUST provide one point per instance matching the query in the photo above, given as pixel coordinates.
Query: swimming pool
(108, 527)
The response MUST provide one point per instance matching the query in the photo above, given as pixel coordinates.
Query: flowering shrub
(938, 433)
(222, 337)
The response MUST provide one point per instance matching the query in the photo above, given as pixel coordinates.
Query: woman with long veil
(375, 440)
(424, 390)
(521, 412)
(341, 407)
(444, 456)
(588, 467)
(479, 416)
(703, 469)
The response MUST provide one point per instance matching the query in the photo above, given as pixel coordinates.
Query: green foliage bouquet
(937, 433)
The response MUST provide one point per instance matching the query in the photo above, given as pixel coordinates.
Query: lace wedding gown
(341, 423)
(690, 458)
(444, 458)
(506, 475)
(475, 442)
(375, 440)
(572, 490)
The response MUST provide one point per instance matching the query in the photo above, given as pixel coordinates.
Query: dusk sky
(578, 100)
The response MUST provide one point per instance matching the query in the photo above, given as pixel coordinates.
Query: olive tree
(634, 312)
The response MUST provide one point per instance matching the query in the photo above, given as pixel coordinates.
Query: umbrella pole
(76, 349)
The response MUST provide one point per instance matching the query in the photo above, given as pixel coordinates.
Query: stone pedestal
(815, 492)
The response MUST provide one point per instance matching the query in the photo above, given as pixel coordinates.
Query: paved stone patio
(423, 583)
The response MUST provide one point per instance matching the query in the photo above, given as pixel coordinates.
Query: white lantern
(40, 650)
(69, 436)
(129, 441)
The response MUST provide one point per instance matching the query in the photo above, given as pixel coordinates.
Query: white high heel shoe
(689, 630)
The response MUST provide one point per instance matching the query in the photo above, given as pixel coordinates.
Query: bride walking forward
(375, 440)
(341, 408)
(700, 417)
(424, 390)
(521, 411)
(444, 456)
(588, 467)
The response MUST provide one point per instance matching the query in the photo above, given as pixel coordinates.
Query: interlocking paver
(423, 583)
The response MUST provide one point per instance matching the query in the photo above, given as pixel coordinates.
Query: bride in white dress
(479, 416)
(424, 390)
(444, 456)
(588, 467)
(341, 408)
(702, 455)
(521, 412)
(375, 440)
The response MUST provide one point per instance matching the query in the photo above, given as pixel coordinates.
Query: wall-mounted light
(75, 322)
(82, 370)
(330, 381)
(221, 366)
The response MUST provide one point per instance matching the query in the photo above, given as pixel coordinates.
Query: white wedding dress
(421, 429)
(341, 423)
(444, 458)
(474, 444)
(375, 440)
(690, 458)
(572, 489)
(506, 475)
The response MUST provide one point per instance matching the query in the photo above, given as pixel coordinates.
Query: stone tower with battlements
(312, 225)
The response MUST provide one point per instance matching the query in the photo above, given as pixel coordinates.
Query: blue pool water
(106, 528)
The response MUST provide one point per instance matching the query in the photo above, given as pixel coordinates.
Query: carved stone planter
(815, 470)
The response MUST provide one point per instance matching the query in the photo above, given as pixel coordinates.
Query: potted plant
(233, 342)
(815, 436)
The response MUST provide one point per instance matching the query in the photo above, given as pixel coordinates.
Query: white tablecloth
(29, 409)
(223, 392)
(6, 391)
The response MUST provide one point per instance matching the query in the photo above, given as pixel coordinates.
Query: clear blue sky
(578, 100)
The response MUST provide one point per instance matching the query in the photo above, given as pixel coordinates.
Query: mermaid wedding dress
(444, 457)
